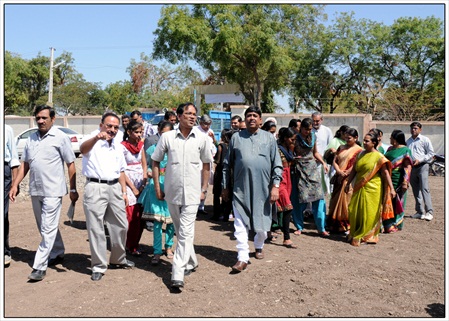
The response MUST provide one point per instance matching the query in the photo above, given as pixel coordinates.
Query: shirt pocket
(173, 157)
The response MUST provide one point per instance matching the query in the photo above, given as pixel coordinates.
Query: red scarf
(132, 148)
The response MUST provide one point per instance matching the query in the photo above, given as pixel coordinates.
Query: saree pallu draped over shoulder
(371, 201)
(338, 206)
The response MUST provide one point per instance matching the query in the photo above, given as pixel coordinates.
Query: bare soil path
(402, 276)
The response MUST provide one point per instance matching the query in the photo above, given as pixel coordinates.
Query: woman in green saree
(400, 157)
(372, 193)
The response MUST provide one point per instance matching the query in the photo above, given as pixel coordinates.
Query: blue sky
(104, 38)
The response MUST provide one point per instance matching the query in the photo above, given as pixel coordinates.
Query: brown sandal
(290, 245)
(156, 259)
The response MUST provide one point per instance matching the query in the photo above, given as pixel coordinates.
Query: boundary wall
(362, 122)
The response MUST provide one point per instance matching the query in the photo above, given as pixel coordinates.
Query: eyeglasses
(109, 126)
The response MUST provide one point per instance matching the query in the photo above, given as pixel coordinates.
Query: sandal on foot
(297, 232)
(170, 254)
(324, 234)
(290, 245)
(136, 253)
(156, 259)
(391, 229)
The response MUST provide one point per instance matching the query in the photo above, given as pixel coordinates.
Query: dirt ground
(402, 276)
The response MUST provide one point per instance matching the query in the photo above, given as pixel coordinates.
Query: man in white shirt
(323, 137)
(105, 196)
(422, 154)
(188, 151)
(204, 127)
(11, 168)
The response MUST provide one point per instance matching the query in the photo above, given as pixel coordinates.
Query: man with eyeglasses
(188, 151)
(105, 197)
(44, 156)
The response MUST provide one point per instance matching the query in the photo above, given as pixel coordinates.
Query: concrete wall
(362, 122)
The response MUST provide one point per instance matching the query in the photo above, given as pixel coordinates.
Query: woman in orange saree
(338, 220)
(372, 193)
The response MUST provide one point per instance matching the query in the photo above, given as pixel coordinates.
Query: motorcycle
(436, 167)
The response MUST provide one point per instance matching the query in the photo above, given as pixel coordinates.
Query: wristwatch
(73, 191)
(276, 185)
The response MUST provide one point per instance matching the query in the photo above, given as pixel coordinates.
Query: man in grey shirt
(188, 150)
(422, 154)
(44, 156)
(254, 160)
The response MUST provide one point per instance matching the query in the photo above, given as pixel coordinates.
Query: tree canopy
(393, 72)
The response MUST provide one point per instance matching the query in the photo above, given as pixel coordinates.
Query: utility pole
(50, 84)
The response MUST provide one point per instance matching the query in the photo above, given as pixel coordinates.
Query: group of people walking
(264, 178)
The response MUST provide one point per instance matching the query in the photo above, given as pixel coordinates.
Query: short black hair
(40, 108)
(416, 123)
(107, 114)
(124, 116)
(135, 112)
(168, 114)
(237, 117)
(164, 123)
(182, 107)
(253, 109)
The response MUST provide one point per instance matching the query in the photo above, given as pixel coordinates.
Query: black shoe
(56, 260)
(203, 212)
(127, 265)
(37, 275)
(177, 284)
(96, 276)
(187, 272)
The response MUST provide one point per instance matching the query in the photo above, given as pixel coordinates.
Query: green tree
(415, 58)
(16, 96)
(161, 86)
(246, 44)
(80, 97)
(120, 97)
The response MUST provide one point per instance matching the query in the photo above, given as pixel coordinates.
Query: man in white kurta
(255, 164)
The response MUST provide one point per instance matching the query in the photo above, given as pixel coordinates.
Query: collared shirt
(46, 156)
(104, 161)
(421, 148)
(213, 147)
(323, 138)
(186, 156)
(11, 155)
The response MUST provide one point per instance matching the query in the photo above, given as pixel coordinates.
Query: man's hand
(74, 196)
(225, 195)
(13, 192)
(274, 195)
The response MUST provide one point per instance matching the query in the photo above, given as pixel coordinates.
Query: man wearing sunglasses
(105, 197)
(44, 156)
